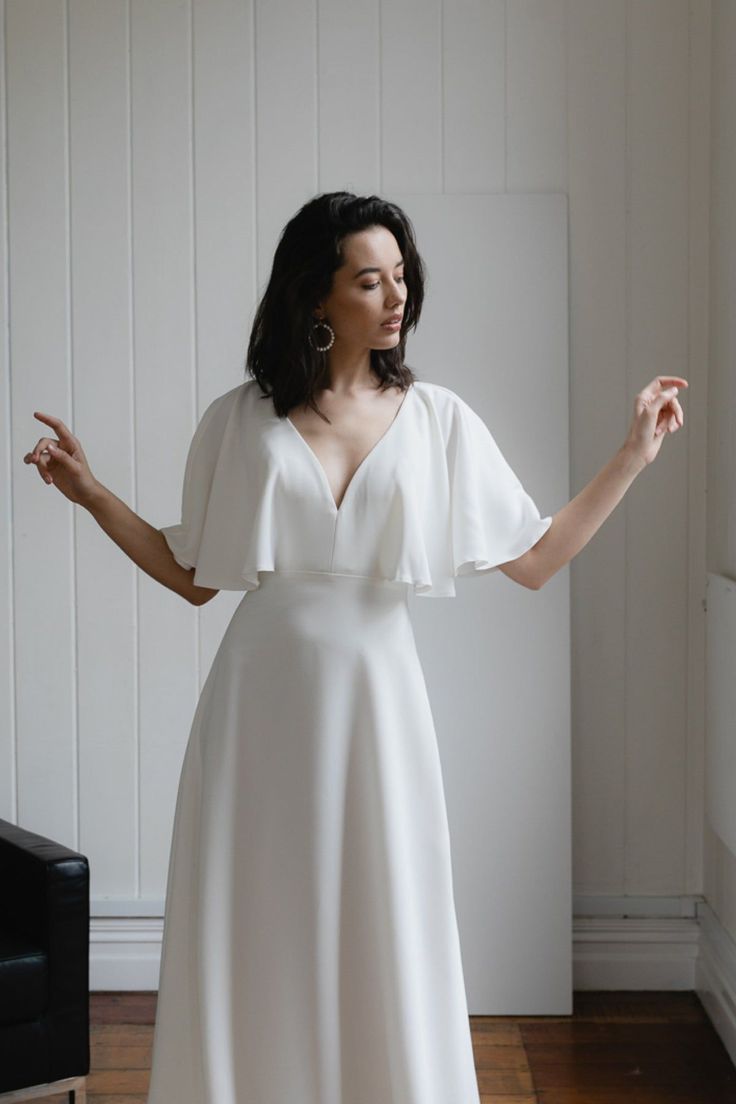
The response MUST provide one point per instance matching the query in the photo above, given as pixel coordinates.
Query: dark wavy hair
(310, 249)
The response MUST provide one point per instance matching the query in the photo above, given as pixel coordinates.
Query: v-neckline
(337, 510)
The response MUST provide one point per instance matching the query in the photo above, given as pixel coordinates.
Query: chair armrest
(44, 890)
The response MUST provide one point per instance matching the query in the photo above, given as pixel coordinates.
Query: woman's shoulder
(217, 414)
(438, 392)
(446, 403)
(242, 394)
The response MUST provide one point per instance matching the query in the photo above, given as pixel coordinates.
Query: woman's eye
(369, 287)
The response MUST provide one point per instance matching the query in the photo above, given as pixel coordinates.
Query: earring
(322, 348)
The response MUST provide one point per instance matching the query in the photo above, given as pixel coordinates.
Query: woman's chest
(345, 444)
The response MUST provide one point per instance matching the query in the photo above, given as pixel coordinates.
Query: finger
(651, 404)
(62, 457)
(31, 459)
(674, 415)
(33, 455)
(677, 418)
(668, 381)
(63, 431)
(43, 469)
(657, 417)
(649, 395)
(659, 385)
(667, 418)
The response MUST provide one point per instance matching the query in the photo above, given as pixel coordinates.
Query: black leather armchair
(44, 968)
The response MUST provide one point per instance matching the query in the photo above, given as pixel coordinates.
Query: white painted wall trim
(687, 949)
(635, 953)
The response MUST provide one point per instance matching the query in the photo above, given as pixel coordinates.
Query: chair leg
(75, 1089)
(78, 1095)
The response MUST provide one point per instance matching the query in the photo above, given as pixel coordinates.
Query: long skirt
(310, 946)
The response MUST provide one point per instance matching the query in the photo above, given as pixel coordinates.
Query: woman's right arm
(145, 545)
(63, 463)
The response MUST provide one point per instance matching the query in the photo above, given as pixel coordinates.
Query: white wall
(720, 864)
(153, 152)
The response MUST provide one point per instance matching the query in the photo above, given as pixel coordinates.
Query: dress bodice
(433, 499)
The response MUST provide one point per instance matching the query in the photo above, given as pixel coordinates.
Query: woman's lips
(391, 325)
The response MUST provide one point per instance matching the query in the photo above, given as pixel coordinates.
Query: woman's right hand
(60, 460)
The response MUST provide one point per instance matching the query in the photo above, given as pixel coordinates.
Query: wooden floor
(616, 1048)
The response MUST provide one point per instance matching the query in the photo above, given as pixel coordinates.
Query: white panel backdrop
(497, 658)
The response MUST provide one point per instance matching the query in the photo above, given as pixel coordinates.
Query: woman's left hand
(656, 413)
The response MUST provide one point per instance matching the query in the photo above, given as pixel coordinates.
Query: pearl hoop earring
(326, 326)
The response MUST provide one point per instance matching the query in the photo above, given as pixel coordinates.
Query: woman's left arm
(656, 413)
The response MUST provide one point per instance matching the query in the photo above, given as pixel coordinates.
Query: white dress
(310, 946)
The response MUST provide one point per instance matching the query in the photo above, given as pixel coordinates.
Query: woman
(310, 947)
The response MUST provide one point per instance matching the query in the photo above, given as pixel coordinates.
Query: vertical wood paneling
(7, 464)
(224, 235)
(37, 160)
(656, 514)
(165, 397)
(536, 106)
(411, 96)
(474, 87)
(698, 294)
(597, 195)
(224, 238)
(348, 73)
(101, 352)
(287, 134)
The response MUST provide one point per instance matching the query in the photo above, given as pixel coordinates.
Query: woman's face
(361, 301)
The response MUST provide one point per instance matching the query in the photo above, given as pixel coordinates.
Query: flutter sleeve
(185, 537)
(492, 517)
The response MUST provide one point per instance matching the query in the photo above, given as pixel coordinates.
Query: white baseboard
(124, 953)
(678, 945)
(634, 952)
